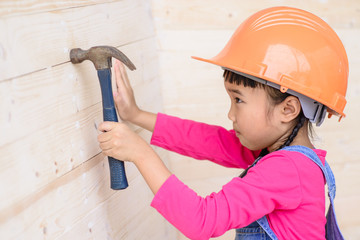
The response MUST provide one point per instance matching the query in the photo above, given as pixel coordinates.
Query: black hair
(276, 96)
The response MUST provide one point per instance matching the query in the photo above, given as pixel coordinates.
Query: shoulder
(281, 159)
(288, 168)
(292, 167)
(279, 166)
(292, 157)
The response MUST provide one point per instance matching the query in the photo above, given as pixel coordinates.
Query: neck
(302, 138)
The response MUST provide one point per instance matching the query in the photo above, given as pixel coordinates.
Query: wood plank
(29, 213)
(75, 199)
(201, 85)
(79, 203)
(57, 183)
(52, 151)
(48, 154)
(214, 14)
(127, 217)
(24, 48)
(11, 8)
(57, 135)
(35, 101)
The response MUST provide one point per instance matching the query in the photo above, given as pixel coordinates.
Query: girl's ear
(290, 108)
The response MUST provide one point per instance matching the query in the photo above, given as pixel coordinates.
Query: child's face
(253, 117)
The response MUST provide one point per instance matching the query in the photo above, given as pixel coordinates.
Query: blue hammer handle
(117, 170)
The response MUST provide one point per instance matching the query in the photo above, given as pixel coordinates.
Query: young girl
(284, 68)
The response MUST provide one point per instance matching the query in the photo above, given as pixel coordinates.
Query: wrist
(136, 119)
(134, 116)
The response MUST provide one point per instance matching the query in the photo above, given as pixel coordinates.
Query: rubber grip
(118, 178)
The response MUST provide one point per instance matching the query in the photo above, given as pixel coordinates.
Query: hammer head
(100, 56)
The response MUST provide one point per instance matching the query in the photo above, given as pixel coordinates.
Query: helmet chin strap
(313, 110)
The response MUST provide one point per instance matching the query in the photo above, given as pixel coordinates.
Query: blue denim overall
(260, 229)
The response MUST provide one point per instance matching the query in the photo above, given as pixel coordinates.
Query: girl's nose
(231, 114)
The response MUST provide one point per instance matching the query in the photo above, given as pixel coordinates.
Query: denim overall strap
(332, 227)
(329, 176)
(264, 223)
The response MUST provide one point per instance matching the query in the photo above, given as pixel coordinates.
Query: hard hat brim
(244, 72)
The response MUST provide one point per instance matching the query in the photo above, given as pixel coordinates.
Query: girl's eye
(238, 100)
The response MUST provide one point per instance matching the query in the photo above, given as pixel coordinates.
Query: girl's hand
(124, 95)
(125, 101)
(120, 142)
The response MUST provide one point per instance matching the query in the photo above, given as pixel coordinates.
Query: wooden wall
(54, 181)
(193, 89)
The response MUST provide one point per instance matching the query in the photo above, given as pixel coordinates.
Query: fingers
(107, 126)
(106, 146)
(120, 83)
(106, 136)
(107, 139)
(124, 75)
(117, 140)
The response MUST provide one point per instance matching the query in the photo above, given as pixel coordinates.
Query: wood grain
(36, 42)
(55, 181)
(215, 15)
(80, 204)
(37, 100)
(14, 8)
(55, 141)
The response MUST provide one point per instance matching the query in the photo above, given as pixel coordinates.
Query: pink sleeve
(272, 184)
(201, 141)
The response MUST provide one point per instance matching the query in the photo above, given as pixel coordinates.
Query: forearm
(201, 141)
(153, 170)
(145, 120)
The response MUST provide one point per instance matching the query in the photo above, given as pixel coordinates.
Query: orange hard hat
(292, 49)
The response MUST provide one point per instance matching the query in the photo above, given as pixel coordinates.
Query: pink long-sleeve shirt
(285, 186)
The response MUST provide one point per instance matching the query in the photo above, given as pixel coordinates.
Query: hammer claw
(124, 59)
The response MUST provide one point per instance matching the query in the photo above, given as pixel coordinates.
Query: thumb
(107, 126)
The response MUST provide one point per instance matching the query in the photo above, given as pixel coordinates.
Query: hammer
(101, 56)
